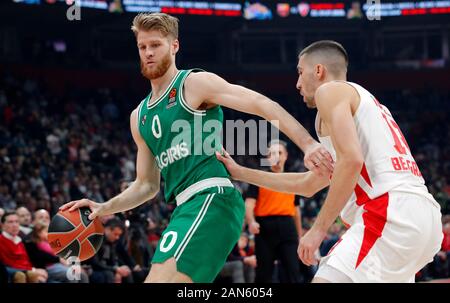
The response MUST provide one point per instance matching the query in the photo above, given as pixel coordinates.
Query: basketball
(72, 234)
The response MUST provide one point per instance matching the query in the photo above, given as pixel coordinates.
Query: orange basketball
(72, 234)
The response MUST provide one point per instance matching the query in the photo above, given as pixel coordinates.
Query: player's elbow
(354, 162)
(303, 189)
(306, 193)
(153, 190)
(147, 189)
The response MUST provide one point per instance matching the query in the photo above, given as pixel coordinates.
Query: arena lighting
(234, 8)
(408, 8)
(97, 4)
(322, 6)
(201, 8)
(201, 12)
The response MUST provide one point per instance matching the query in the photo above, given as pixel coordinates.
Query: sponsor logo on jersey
(144, 119)
(172, 154)
(172, 98)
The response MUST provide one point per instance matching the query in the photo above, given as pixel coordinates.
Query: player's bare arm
(303, 184)
(336, 103)
(144, 188)
(210, 89)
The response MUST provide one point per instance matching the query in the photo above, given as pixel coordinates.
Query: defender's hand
(233, 168)
(318, 160)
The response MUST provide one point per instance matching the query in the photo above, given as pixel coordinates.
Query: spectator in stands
(442, 259)
(140, 252)
(13, 253)
(41, 216)
(106, 265)
(246, 246)
(24, 221)
(2, 212)
(240, 264)
(41, 255)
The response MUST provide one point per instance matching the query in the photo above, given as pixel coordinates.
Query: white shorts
(393, 237)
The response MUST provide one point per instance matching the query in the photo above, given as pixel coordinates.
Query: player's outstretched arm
(303, 184)
(144, 188)
(334, 104)
(212, 89)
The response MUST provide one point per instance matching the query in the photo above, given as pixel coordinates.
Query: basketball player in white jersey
(394, 223)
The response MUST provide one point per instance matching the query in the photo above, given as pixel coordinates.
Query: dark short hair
(7, 214)
(327, 46)
(114, 223)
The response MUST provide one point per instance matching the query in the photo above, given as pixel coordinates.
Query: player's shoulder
(200, 77)
(203, 83)
(133, 117)
(335, 91)
(333, 87)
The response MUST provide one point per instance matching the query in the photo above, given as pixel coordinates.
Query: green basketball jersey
(182, 139)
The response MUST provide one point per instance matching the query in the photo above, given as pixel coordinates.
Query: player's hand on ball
(93, 206)
(231, 165)
(319, 160)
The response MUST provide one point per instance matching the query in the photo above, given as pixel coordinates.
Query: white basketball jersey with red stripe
(388, 163)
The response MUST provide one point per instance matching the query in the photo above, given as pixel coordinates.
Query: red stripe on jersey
(374, 217)
(345, 224)
(365, 175)
(361, 196)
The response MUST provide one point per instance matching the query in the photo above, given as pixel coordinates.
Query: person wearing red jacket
(13, 253)
(446, 241)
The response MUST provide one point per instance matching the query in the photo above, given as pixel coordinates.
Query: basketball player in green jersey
(209, 216)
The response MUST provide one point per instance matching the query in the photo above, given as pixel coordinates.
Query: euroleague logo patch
(172, 98)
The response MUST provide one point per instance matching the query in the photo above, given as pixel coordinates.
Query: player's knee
(157, 276)
(162, 272)
(179, 277)
(168, 278)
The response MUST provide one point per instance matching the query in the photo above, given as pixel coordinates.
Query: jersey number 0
(156, 127)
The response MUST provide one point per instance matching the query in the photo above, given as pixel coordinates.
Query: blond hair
(166, 24)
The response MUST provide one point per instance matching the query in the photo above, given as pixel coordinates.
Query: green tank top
(182, 139)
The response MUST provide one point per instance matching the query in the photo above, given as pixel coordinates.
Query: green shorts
(202, 233)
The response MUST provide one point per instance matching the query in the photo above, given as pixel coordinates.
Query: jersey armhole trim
(139, 129)
(138, 119)
(183, 102)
